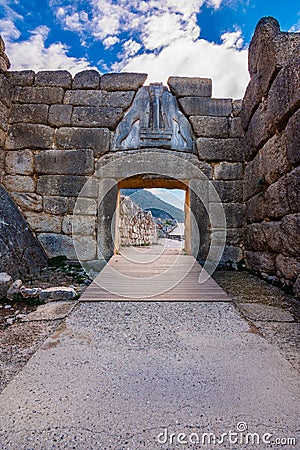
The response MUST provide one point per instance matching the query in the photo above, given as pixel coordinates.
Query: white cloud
(33, 54)
(226, 66)
(295, 28)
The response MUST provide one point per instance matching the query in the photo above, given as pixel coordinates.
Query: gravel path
(116, 375)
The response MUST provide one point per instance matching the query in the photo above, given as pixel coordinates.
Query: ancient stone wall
(218, 132)
(59, 127)
(136, 227)
(270, 117)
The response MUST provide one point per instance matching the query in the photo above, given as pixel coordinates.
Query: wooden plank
(146, 276)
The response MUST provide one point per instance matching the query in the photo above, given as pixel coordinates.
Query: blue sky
(206, 38)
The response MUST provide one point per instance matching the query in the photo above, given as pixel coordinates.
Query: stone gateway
(56, 132)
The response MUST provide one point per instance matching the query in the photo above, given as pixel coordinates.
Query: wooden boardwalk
(150, 275)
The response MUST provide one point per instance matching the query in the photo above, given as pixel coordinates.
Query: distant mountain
(148, 201)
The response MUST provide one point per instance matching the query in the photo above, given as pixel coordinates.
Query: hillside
(150, 202)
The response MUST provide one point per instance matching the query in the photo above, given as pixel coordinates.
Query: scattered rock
(7, 307)
(30, 293)
(5, 283)
(57, 293)
(10, 321)
(14, 289)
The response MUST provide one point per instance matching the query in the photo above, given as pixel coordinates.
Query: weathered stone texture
(87, 79)
(210, 149)
(60, 115)
(290, 234)
(97, 139)
(229, 191)
(5, 91)
(234, 212)
(21, 77)
(41, 222)
(31, 113)
(122, 81)
(29, 136)
(255, 208)
(19, 183)
(21, 254)
(63, 185)
(274, 162)
(58, 78)
(56, 205)
(19, 162)
(288, 267)
(82, 225)
(88, 116)
(228, 171)
(28, 201)
(292, 139)
(203, 106)
(235, 127)
(215, 127)
(38, 94)
(190, 87)
(269, 51)
(67, 162)
(263, 262)
(102, 99)
(57, 245)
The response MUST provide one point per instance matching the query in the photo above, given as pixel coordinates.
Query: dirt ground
(280, 324)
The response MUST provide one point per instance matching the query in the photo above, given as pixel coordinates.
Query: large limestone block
(292, 139)
(235, 127)
(276, 197)
(60, 115)
(27, 135)
(288, 267)
(274, 162)
(261, 262)
(269, 50)
(234, 212)
(122, 81)
(228, 171)
(4, 112)
(5, 91)
(97, 139)
(210, 149)
(31, 113)
(215, 127)
(21, 77)
(290, 234)
(88, 116)
(19, 183)
(28, 201)
(4, 62)
(102, 99)
(45, 223)
(57, 245)
(190, 87)
(254, 181)
(262, 237)
(87, 79)
(229, 191)
(39, 94)
(65, 186)
(56, 205)
(19, 162)
(67, 162)
(57, 293)
(58, 78)
(80, 225)
(203, 106)
(256, 208)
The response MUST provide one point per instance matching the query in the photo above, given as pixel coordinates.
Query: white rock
(7, 307)
(57, 293)
(5, 283)
(10, 321)
(14, 289)
(29, 293)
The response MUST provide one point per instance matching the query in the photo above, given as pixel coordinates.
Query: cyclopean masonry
(55, 131)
